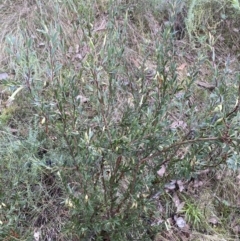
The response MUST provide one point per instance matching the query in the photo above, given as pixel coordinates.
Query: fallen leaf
(13, 130)
(157, 222)
(181, 223)
(176, 200)
(101, 26)
(36, 235)
(178, 124)
(205, 85)
(161, 171)
(236, 229)
(4, 76)
(171, 185)
(213, 220)
(41, 45)
(197, 183)
(78, 57)
(77, 48)
(82, 99)
(180, 185)
(182, 66)
(160, 207)
(205, 171)
(219, 176)
(180, 207)
(70, 50)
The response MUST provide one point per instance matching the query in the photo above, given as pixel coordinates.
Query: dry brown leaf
(101, 26)
(182, 66)
(4, 76)
(13, 130)
(41, 45)
(36, 235)
(171, 185)
(176, 199)
(78, 57)
(178, 124)
(70, 50)
(238, 177)
(180, 185)
(205, 85)
(77, 48)
(182, 152)
(202, 172)
(197, 183)
(181, 223)
(213, 220)
(236, 229)
(161, 171)
(82, 99)
(180, 207)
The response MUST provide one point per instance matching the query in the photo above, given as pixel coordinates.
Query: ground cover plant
(119, 120)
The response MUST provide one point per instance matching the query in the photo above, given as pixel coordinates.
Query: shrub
(108, 131)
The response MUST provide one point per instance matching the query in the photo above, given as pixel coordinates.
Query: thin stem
(156, 154)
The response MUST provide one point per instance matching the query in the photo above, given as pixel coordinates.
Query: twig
(176, 145)
(238, 103)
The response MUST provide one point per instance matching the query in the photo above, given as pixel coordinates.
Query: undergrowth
(105, 133)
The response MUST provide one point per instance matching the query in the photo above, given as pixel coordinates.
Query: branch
(156, 154)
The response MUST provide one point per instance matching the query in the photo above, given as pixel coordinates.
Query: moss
(6, 115)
